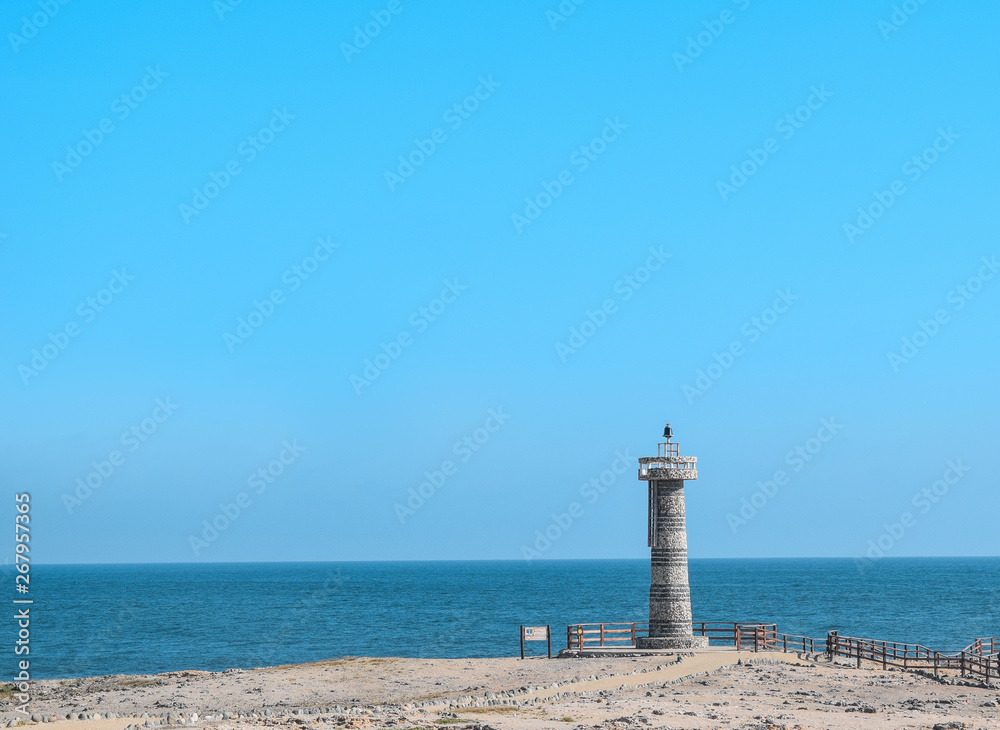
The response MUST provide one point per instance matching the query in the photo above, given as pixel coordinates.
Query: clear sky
(491, 249)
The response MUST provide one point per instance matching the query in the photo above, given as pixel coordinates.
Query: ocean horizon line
(521, 560)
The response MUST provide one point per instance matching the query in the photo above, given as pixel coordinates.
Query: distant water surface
(109, 619)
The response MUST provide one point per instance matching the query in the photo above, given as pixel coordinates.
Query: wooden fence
(980, 659)
(742, 636)
(579, 636)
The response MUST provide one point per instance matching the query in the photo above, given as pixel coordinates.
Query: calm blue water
(90, 620)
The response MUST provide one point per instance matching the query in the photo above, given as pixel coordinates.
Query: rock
(36, 717)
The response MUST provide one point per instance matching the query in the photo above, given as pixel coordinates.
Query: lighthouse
(669, 591)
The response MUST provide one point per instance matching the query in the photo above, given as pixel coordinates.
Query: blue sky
(491, 250)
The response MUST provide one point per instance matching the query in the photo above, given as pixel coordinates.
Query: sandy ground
(743, 691)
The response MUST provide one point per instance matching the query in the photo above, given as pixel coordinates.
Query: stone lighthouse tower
(669, 592)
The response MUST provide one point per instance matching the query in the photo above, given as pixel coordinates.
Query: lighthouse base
(671, 642)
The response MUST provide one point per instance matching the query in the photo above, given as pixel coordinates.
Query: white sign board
(536, 633)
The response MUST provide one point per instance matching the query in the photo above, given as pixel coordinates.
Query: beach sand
(740, 691)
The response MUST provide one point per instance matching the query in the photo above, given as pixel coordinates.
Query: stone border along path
(684, 667)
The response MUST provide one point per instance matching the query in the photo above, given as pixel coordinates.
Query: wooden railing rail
(986, 646)
(579, 636)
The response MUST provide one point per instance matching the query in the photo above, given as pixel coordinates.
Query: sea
(91, 620)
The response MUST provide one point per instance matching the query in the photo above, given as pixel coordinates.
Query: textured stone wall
(669, 592)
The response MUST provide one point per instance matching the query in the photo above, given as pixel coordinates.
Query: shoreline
(689, 691)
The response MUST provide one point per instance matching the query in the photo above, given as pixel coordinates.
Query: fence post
(548, 635)
(962, 663)
(831, 638)
(756, 638)
(936, 660)
(884, 662)
(736, 636)
(602, 634)
(522, 641)
(633, 633)
(569, 637)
